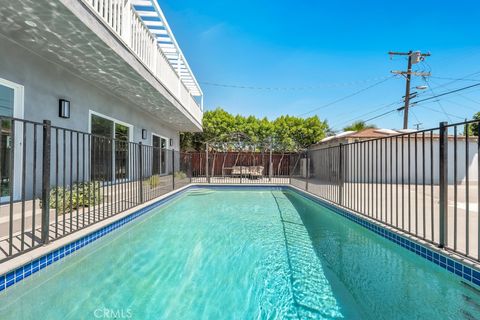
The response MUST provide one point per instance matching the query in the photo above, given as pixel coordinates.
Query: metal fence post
(270, 169)
(173, 169)
(206, 164)
(190, 168)
(46, 152)
(340, 174)
(290, 169)
(443, 181)
(241, 174)
(308, 170)
(140, 168)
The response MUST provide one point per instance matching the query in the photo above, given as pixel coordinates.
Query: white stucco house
(115, 64)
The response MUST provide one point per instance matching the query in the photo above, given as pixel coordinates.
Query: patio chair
(256, 171)
(237, 171)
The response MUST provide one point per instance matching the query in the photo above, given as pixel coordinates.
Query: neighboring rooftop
(368, 133)
(375, 133)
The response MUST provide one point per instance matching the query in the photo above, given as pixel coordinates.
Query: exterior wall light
(144, 134)
(171, 142)
(64, 109)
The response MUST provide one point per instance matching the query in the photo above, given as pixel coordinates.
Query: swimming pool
(241, 253)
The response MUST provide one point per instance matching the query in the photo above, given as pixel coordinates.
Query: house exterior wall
(45, 83)
(364, 159)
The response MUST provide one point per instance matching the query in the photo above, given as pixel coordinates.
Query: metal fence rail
(55, 181)
(424, 183)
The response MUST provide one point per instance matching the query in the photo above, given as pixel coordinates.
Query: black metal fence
(424, 183)
(55, 181)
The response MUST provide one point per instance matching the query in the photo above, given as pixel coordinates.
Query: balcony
(122, 46)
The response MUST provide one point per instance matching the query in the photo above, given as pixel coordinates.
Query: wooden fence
(222, 163)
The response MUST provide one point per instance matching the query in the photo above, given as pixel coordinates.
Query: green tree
(358, 125)
(293, 133)
(286, 133)
(474, 126)
(218, 123)
(190, 141)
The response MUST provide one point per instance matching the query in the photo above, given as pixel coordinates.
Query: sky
(300, 57)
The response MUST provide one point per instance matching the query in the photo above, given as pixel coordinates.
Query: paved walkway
(116, 199)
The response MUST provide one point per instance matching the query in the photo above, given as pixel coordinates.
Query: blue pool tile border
(469, 274)
(23, 272)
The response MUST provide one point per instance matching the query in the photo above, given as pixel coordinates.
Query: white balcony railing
(127, 24)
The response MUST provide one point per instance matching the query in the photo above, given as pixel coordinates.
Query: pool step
(200, 192)
(467, 315)
(471, 300)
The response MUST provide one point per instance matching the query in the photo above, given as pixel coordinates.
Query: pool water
(241, 254)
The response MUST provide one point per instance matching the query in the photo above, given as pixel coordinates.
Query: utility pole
(413, 58)
(417, 125)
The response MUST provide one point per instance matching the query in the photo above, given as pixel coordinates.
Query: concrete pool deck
(31, 255)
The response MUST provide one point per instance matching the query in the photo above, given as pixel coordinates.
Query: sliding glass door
(6, 109)
(121, 151)
(11, 105)
(101, 148)
(159, 165)
(109, 157)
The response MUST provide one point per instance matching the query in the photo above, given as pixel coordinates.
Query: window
(6, 109)
(121, 151)
(159, 165)
(11, 105)
(109, 157)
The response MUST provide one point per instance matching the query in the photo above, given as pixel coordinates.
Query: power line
(463, 96)
(391, 104)
(448, 92)
(299, 88)
(462, 105)
(431, 90)
(464, 78)
(446, 113)
(347, 96)
(459, 79)
(382, 115)
(367, 113)
(415, 104)
(448, 83)
(413, 58)
(416, 118)
(438, 102)
(468, 98)
(455, 79)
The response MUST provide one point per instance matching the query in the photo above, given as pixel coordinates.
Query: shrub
(82, 195)
(180, 175)
(153, 181)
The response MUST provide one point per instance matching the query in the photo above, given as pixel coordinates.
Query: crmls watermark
(111, 313)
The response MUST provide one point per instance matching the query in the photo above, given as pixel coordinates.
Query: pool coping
(465, 268)
(18, 268)
(23, 266)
